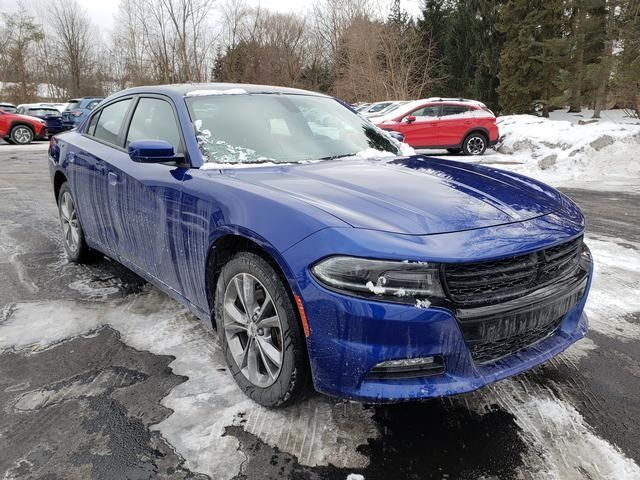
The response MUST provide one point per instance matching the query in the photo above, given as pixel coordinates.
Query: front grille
(506, 305)
(486, 283)
(486, 352)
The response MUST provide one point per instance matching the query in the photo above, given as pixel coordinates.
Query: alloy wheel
(69, 221)
(476, 145)
(22, 135)
(253, 330)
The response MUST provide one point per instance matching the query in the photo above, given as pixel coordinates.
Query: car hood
(27, 117)
(410, 195)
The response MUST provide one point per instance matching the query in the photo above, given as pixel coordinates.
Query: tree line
(518, 56)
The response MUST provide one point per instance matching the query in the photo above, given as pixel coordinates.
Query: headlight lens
(406, 282)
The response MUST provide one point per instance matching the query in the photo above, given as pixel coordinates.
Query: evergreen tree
(529, 60)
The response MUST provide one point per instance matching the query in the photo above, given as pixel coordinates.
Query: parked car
(8, 107)
(378, 108)
(458, 125)
(21, 129)
(77, 110)
(384, 111)
(50, 115)
(324, 259)
(58, 106)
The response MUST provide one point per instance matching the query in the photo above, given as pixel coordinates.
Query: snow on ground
(319, 431)
(562, 445)
(616, 116)
(614, 291)
(563, 153)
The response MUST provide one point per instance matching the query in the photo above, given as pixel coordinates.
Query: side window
(91, 128)
(428, 111)
(110, 122)
(453, 110)
(154, 120)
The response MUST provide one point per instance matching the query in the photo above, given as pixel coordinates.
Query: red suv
(21, 129)
(458, 125)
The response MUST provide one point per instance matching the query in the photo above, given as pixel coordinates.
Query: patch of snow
(614, 290)
(355, 476)
(206, 93)
(562, 153)
(378, 288)
(423, 303)
(561, 444)
(318, 431)
(615, 116)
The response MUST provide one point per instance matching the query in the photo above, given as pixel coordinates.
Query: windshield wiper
(334, 157)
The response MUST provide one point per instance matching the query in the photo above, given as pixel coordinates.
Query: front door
(145, 197)
(423, 131)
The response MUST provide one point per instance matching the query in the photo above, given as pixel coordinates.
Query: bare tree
(72, 42)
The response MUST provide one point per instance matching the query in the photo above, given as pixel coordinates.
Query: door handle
(113, 178)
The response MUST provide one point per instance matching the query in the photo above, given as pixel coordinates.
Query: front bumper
(349, 336)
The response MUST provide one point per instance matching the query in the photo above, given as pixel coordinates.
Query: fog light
(408, 368)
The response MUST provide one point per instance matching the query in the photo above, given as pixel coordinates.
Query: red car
(21, 129)
(457, 125)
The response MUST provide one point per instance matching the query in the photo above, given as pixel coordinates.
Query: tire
(454, 151)
(474, 144)
(73, 239)
(272, 332)
(21, 135)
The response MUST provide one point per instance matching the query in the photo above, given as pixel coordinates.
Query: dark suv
(77, 110)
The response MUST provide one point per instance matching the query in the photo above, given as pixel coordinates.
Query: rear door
(145, 197)
(88, 157)
(455, 121)
(423, 132)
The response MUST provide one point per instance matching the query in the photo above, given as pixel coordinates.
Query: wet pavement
(102, 376)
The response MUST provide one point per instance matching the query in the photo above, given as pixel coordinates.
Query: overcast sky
(102, 11)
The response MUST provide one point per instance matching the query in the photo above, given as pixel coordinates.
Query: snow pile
(560, 152)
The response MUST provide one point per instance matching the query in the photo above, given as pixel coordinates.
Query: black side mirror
(152, 151)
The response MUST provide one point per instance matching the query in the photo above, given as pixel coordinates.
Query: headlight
(406, 282)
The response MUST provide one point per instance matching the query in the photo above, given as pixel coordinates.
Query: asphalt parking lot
(102, 376)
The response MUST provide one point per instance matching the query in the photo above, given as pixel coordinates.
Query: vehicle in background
(318, 250)
(21, 129)
(8, 107)
(362, 106)
(376, 107)
(58, 106)
(51, 115)
(376, 112)
(78, 109)
(455, 124)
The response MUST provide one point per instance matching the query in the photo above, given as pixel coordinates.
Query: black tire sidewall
(82, 254)
(16, 128)
(469, 137)
(292, 382)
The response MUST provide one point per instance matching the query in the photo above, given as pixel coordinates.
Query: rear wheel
(21, 135)
(474, 144)
(260, 334)
(73, 240)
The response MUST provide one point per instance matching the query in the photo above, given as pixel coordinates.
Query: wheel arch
(230, 241)
(20, 123)
(59, 179)
(480, 130)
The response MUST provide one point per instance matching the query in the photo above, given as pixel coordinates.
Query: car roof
(194, 89)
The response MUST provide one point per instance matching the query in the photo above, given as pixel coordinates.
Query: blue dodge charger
(322, 253)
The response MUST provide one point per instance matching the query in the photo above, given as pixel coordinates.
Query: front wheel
(259, 332)
(474, 144)
(73, 240)
(21, 135)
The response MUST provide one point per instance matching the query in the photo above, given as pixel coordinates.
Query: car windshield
(259, 128)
